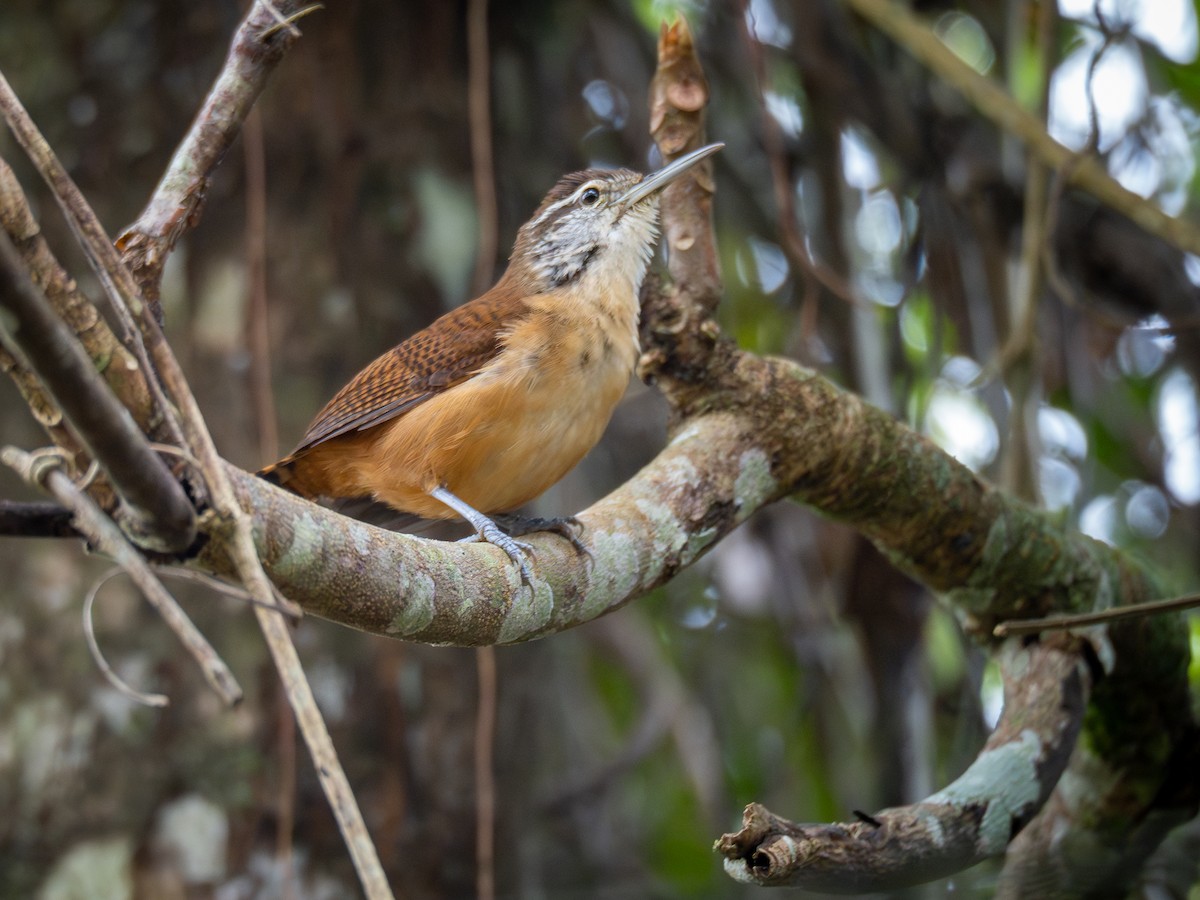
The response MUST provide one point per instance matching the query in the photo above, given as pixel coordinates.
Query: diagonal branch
(1046, 687)
(1086, 173)
(119, 290)
(262, 34)
(175, 207)
(107, 539)
(109, 355)
(156, 510)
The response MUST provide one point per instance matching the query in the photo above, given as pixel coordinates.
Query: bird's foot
(566, 527)
(518, 551)
(487, 530)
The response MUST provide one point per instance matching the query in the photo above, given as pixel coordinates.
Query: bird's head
(596, 221)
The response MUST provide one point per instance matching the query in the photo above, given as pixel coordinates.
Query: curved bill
(656, 181)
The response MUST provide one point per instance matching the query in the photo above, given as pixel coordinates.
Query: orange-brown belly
(496, 441)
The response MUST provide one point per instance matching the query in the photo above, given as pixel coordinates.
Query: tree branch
(107, 539)
(1087, 173)
(747, 431)
(678, 98)
(175, 207)
(263, 33)
(157, 512)
(35, 520)
(1045, 693)
(118, 365)
(124, 299)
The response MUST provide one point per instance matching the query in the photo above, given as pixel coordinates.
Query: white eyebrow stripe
(553, 207)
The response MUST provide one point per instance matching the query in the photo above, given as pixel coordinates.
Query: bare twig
(104, 535)
(288, 23)
(485, 780)
(479, 106)
(175, 205)
(119, 367)
(1019, 353)
(280, 602)
(89, 633)
(895, 20)
(1046, 690)
(259, 44)
(258, 332)
(158, 512)
(795, 243)
(1067, 622)
(258, 339)
(124, 299)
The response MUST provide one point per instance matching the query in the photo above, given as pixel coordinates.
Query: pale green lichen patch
(663, 528)
(415, 612)
(530, 612)
(300, 556)
(697, 542)
(1004, 781)
(754, 483)
(360, 536)
(615, 569)
(934, 832)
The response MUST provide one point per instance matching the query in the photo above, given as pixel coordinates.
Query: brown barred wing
(446, 353)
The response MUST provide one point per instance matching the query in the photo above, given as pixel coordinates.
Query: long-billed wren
(501, 397)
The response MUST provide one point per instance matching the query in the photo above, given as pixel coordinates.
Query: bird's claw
(567, 527)
(518, 551)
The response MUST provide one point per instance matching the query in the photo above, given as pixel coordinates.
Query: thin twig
(229, 590)
(795, 244)
(895, 20)
(1079, 620)
(485, 781)
(258, 332)
(288, 23)
(258, 339)
(1019, 354)
(482, 166)
(479, 108)
(124, 298)
(119, 367)
(103, 534)
(89, 633)
(237, 86)
(174, 208)
(159, 512)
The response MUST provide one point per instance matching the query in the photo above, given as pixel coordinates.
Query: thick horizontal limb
(800, 437)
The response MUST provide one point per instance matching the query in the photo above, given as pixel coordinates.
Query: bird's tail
(284, 474)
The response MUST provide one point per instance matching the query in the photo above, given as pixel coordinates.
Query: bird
(482, 411)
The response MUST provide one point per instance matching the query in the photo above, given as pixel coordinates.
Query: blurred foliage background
(871, 226)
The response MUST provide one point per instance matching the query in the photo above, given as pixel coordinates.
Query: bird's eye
(590, 197)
